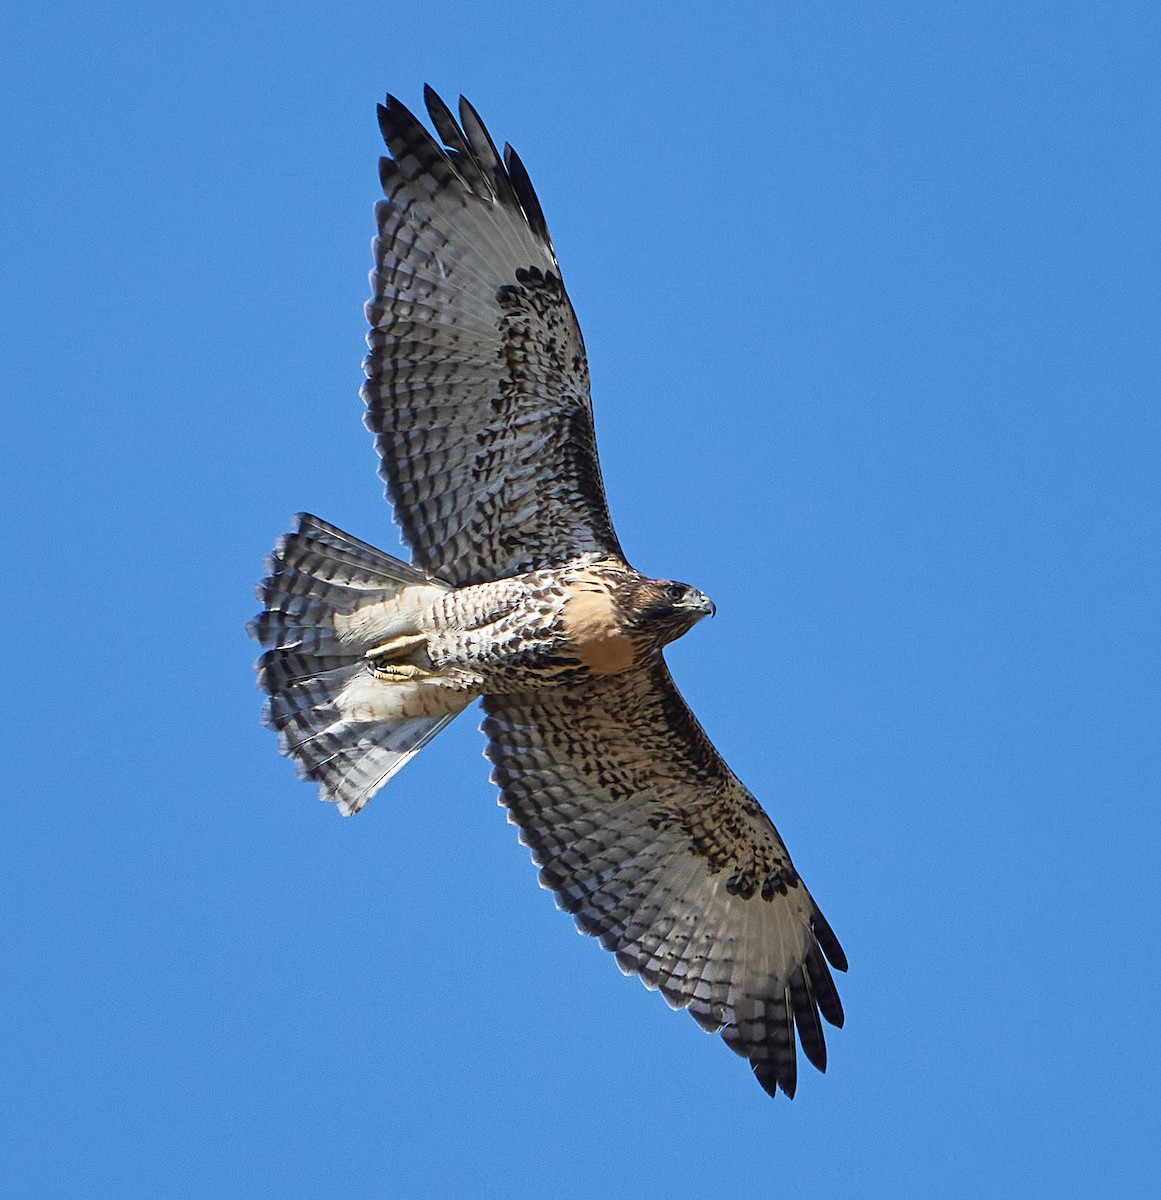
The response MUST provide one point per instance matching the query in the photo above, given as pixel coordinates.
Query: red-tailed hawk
(478, 395)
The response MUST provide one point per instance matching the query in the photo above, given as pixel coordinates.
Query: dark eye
(674, 591)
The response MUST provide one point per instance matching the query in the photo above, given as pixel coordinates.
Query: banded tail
(335, 608)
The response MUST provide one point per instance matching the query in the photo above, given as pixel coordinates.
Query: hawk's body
(520, 594)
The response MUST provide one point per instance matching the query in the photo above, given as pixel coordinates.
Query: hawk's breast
(593, 626)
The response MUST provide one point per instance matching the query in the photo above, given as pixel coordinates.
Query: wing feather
(658, 850)
(477, 382)
(458, 149)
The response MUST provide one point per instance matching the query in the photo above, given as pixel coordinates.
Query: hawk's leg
(388, 658)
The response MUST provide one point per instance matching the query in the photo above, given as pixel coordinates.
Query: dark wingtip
(767, 1076)
(829, 943)
(526, 193)
(814, 1048)
(395, 118)
(383, 113)
(483, 147)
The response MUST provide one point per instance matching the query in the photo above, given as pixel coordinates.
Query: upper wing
(656, 848)
(477, 383)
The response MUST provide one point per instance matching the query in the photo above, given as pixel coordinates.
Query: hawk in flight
(519, 594)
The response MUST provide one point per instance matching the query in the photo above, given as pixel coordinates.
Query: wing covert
(477, 383)
(657, 849)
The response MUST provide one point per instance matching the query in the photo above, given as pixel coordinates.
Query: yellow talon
(393, 670)
(386, 659)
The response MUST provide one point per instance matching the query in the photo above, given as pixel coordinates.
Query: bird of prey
(519, 594)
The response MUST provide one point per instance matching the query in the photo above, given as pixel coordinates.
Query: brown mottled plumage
(478, 395)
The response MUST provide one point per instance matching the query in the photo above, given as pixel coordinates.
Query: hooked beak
(705, 606)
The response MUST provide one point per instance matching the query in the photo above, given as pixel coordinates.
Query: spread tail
(349, 695)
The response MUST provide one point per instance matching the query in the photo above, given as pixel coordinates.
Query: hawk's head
(659, 610)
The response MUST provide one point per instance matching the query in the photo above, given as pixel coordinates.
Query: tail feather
(328, 598)
(325, 552)
(294, 666)
(350, 764)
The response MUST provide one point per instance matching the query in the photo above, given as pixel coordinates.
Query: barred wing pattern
(477, 382)
(658, 850)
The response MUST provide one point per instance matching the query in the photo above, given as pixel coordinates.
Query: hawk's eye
(674, 591)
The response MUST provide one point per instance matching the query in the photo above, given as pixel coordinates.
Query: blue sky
(870, 298)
